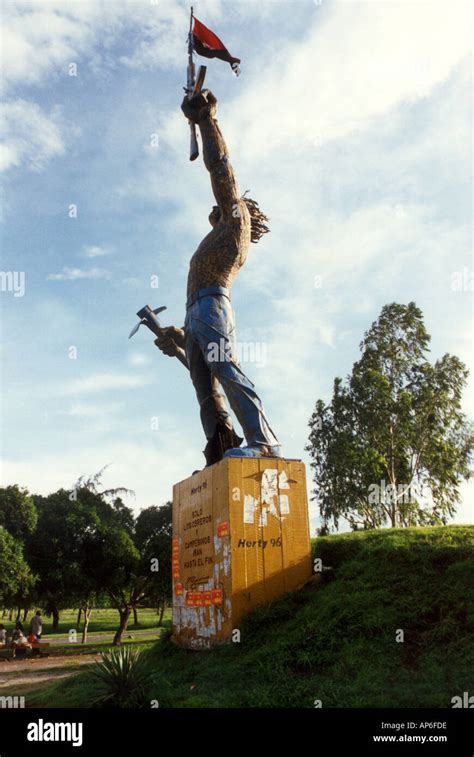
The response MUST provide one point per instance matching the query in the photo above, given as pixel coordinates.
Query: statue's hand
(170, 340)
(199, 107)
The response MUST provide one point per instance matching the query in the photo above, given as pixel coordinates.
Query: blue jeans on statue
(212, 358)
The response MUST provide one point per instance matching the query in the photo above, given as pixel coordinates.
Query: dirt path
(36, 671)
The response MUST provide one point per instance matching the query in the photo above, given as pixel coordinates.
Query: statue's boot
(259, 450)
(224, 439)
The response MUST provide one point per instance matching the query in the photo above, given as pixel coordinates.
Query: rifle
(194, 86)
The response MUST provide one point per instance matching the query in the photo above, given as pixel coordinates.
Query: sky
(351, 125)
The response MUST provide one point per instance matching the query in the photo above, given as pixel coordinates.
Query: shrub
(122, 679)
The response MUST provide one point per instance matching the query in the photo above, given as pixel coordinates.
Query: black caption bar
(367, 732)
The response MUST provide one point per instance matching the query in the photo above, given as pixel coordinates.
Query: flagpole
(191, 68)
(191, 16)
(194, 148)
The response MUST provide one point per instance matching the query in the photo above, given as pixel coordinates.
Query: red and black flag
(209, 45)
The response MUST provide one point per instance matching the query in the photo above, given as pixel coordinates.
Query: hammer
(148, 317)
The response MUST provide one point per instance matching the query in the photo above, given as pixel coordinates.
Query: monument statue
(208, 338)
(240, 525)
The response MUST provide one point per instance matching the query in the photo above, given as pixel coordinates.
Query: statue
(208, 335)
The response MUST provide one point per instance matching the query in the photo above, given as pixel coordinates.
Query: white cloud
(384, 53)
(101, 382)
(130, 465)
(41, 38)
(161, 40)
(73, 274)
(90, 410)
(359, 62)
(139, 358)
(96, 251)
(94, 418)
(31, 136)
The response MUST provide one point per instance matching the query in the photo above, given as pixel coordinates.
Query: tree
(58, 549)
(17, 512)
(16, 577)
(114, 562)
(123, 515)
(84, 548)
(120, 570)
(153, 535)
(111, 506)
(19, 517)
(393, 445)
(79, 548)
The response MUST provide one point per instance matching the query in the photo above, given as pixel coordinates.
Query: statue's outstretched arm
(202, 109)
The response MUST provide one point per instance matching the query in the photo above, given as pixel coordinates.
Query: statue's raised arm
(201, 110)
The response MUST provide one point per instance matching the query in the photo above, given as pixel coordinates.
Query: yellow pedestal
(240, 539)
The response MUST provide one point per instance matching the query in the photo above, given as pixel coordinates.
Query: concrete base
(240, 539)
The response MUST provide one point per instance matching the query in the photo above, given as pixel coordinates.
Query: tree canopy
(16, 577)
(17, 512)
(393, 445)
(76, 547)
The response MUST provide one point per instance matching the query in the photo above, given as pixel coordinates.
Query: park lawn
(105, 624)
(103, 621)
(77, 691)
(73, 692)
(90, 648)
(98, 647)
(338, 643)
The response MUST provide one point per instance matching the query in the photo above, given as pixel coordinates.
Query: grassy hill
(335, 640)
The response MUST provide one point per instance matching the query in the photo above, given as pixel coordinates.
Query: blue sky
(351, 125)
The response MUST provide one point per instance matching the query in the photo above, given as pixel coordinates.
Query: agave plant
(123, 678)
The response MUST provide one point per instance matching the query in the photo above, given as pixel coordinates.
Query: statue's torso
(221, 254)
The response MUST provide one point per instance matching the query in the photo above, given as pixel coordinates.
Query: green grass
(105, 624)
(76, 691)
(336, 641)
(89, 648)
(102, 621)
